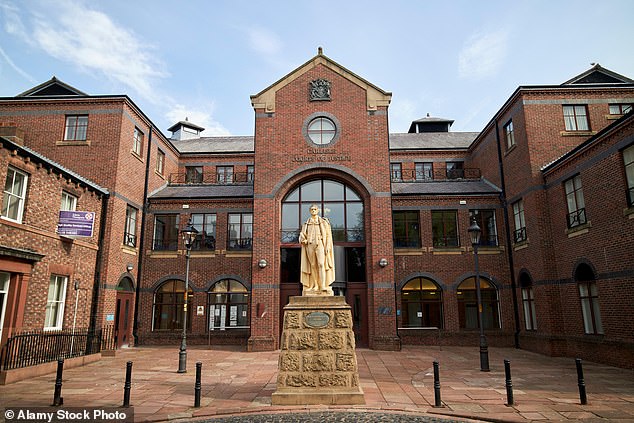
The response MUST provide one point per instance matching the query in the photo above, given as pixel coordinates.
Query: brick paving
(398, 386)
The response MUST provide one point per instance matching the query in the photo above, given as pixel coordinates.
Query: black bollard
(199, 366)
(57, 396)
(581, 382)
(127, 385)
(509, 383)
(437, 401)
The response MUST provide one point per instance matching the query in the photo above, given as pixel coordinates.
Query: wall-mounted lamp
(383, 262)
(129, 267)
(262, 263)
(76, 284)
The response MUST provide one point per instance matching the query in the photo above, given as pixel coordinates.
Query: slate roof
(204, 191)
(231, 144)
(452, 187)
(432, 140)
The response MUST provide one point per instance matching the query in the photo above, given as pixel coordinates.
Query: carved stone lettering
(289, 362)
(343, 319)
(334, 379)
(346, 363)
(302, 341)
(318, 363)
(292, 320)
(331, 340)
(299, 380)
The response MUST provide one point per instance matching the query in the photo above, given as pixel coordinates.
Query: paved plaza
(398, 386)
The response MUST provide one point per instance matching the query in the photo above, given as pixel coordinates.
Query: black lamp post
(189, 236)
(475, 232)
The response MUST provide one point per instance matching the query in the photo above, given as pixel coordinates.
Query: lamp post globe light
(474, 233)
(189, 236)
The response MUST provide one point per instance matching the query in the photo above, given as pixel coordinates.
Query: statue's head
(314, 210)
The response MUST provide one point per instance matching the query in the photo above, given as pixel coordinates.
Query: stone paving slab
(238, 383)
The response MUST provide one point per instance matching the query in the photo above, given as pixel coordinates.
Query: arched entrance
(124, 310)
(344, 208)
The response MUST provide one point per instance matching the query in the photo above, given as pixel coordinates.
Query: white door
(4, 293)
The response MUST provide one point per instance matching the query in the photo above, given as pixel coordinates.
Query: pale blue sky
(203, 59)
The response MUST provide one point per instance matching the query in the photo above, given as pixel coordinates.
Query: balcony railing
(576, 218)
(435, 175)
(212, 178)
(519, 235)
(240, 244)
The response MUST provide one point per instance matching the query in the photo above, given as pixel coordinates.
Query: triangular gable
(599, 75)
(52, 88)
(375, 96)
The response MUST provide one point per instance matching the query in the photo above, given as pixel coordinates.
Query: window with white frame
(575, 202)
(160, 162)
(396, 172)
(589, 296)
(628, 162)
(137, 142)
(224, 174)
(54, 318)
(129, 237)
(76, 128)
(424, 171)
(520, 224)
(14, 195)
(528, 301)
(69, 202)
(576, 118)
(620, 109)
(509, 134)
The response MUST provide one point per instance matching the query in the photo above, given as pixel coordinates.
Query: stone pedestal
(318, 364)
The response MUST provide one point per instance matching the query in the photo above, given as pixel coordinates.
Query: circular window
(321, 131)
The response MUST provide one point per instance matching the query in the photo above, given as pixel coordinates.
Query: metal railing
(576, 218)
(519, 235)
(435, 175)
(31, 348)
(212, 178)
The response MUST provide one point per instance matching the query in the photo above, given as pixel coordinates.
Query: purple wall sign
(76, 223)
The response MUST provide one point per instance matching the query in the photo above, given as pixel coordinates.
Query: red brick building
(554, 258)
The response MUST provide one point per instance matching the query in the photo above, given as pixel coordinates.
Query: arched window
(228, 303)
(421, 304)
(169, 299)
(468, 304)
(125, 285)
(589, 296)
(336, 201)
(528, 301)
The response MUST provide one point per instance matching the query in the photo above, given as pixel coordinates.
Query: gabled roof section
(52, 88)
(598, 75)
(375, 96)
(185, 123)
(432, 140)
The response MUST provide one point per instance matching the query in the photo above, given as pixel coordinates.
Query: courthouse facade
(549, 180)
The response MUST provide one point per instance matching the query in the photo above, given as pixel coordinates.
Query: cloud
(264, 42)
(482, 55)
(200, 115)
(90, 40)
(16, 68)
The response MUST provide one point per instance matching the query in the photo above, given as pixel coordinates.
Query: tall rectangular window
(240, 231)
(165, 232)
(160, 162)
(589, 296)
(406, 229)
(69, 202)
(129, 237)
(54, 317)
(486, 221)
(14, 195)
(76, 128)
(509, 135)
(224, 174)
(424, 172)
(575, 202)
(250, 173)
(205, 224)
(520, 224)
(137, 142)
(628, 162)
(528, 300)
(445, 228)
(193, 174)
(396, 172)
(576, 118)
(455, 170)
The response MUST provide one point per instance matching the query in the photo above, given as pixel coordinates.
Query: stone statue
(318, 261)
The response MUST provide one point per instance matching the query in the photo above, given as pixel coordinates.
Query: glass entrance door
(4, 293)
